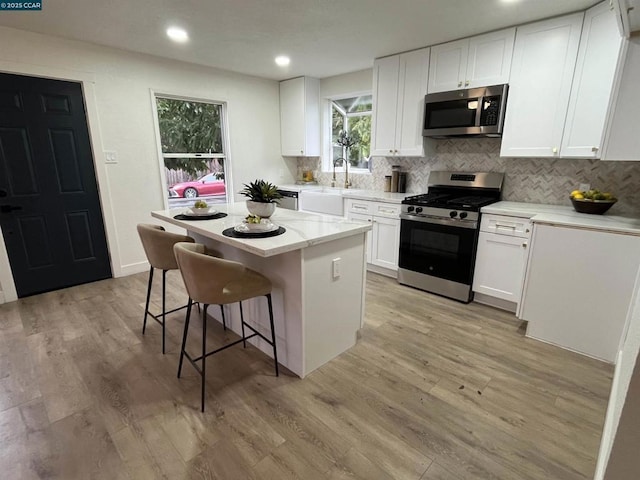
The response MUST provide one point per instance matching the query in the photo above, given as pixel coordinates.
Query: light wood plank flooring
(434, 389)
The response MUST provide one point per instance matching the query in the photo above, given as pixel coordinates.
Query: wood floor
(434, 389)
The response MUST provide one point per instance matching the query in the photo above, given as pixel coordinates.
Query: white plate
(204, 212)
(256, 227)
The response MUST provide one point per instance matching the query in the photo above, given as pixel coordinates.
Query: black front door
(49, 206)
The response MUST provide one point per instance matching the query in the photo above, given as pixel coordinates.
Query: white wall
(347, 84)
(118, 89)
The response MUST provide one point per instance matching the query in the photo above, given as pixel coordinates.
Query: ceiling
(322, 37)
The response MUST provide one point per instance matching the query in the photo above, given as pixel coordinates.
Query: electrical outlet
(336, 266)
(110, 157)
(584, 187)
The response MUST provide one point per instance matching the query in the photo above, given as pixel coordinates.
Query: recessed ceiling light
(177, 34)
(282, 61)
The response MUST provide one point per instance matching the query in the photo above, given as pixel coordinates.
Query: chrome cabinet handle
(594, 149)
(524, 245)
(460, 83)
(554, 150)
(466, 84)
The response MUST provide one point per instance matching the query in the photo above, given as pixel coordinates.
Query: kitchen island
(317, 268)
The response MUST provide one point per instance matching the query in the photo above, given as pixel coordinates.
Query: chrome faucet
(347, 182)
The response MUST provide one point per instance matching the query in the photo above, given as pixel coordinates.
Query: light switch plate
(110, 157)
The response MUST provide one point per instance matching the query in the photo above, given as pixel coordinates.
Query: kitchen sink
(324, 200)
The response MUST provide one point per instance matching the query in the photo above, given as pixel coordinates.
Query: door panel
(51, 217)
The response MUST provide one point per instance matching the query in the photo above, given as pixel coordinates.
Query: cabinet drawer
(379, 209)
(359, 206)
(389, 210)
(504, 225)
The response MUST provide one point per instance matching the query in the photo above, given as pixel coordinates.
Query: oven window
(440, 244)
(443, 251)
(452, 113)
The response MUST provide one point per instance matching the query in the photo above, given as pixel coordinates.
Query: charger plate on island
(233, 233)
(210, 216)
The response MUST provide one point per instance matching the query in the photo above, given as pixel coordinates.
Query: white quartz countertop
(360, 194)
(566, 216)
(303, 229)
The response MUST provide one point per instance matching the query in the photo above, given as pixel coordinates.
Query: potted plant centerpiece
(262, 196)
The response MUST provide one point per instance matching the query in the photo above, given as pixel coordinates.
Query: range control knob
(418, 209)
(453, 214)
(409, 209)
(463, 215)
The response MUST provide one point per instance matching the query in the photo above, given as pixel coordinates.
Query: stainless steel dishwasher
(289, 199)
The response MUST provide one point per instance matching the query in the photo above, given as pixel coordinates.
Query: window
(352, 115)
(193, 150)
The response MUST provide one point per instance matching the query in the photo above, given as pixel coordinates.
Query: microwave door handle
(479, 110)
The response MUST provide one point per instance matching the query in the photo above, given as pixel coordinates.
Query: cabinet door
(412, 87)
(490, 57)
(544, 60)
(622, 139)
(386, 242)
(592, 84)
(447, 66)
(363, 218)
(300, 117)
(385, 105)
(500, 263)
(579, 287)
(292, 97)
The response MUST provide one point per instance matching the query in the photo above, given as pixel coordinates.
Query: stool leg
(184, 335)
(224, 321)
(146, 307)
(273, 334)
(244, 342)
(164, 309)
(204, 353)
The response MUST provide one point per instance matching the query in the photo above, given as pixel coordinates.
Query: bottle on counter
(387, 183)
(402, 182)
(395, 176)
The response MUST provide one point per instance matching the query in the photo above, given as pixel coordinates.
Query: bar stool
(212, 280)
(158, 246)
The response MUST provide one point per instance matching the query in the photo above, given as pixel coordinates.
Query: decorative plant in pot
(262, 196)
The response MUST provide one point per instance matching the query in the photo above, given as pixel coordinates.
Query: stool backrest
(158, 245)
(204, 275)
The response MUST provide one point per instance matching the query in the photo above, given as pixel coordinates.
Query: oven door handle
(473, 224)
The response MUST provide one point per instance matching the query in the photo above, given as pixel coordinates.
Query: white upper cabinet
(592, 84)
(399, 87)
(623, 141)
(544, 59)
(300, 117)
(472, 62)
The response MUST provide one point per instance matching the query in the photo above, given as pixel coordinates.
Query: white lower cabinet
(501, 260)
(383, 241)
(579, 287)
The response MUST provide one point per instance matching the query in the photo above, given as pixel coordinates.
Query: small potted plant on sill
(262, 196)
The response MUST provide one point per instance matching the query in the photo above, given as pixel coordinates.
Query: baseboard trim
(495, 302)
(133, 268)
(387, 272)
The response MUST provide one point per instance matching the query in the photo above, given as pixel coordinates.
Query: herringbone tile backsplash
(533, 180)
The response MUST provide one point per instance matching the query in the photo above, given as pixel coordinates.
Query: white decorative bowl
(201, 211)
(260, 209)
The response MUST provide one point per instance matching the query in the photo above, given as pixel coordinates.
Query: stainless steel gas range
(439, 232)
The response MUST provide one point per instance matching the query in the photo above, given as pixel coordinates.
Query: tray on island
(232, 232)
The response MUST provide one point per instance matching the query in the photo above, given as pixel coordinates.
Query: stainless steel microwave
(474, 111)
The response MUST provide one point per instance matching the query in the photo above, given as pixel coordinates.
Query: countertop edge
(197, 227)
(563, 215)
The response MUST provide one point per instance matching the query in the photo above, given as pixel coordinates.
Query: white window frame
(225, 141)
(327, 165)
